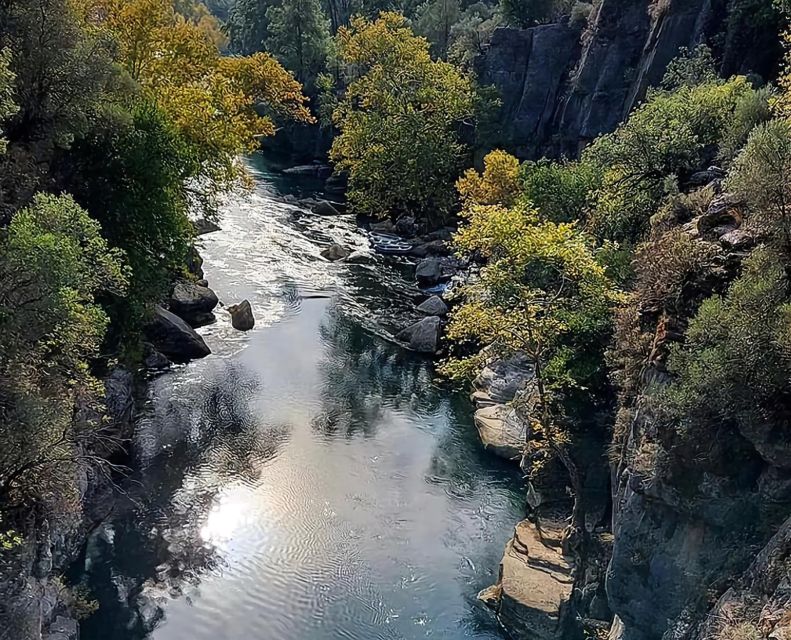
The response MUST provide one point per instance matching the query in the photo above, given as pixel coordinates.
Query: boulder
(325, 208)
(702, 178)
(385, 226)
(336, 183)
(203, 226)
(242, 317)
(501, 379)
(192, 302)
(361, 257)
(65, 628)
(434, 306)
(500, 431)
(423, 336)
(173, 337)
(406, 226)
(428, 272)
(309, 170)
(335, 252)
(724, 210)
(119, 401)
(431, 248)
(737, 239)
(153, 359)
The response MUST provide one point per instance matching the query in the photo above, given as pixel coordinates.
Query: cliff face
(561, 87)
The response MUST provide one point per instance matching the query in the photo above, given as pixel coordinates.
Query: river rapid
(309, 479)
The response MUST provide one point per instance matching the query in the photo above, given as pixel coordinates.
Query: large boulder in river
(434, 306)
(193, 302)
(428, 272)
(500, 430)
(325, 208)
(173, 337)
(242, 317)
(335, 252)
(423, 336)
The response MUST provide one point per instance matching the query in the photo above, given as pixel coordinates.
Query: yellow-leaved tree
(541, 293)
(220, 105)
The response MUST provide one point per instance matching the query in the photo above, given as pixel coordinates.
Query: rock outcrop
(173, 337)
(561, 87)
(534, 585)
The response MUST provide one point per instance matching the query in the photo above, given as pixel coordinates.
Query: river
(309, 479)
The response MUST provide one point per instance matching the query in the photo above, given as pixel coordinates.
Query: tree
(299, 37)
(434, 20)
(526, 13)
(7, 105)
(398, 120)
(541, 293)
(761, 174)
(214, 102)
(53, 262)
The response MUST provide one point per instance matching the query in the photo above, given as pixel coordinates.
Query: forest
(645, 279)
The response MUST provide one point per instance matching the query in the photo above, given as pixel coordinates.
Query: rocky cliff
(562, 85)
(691, 514)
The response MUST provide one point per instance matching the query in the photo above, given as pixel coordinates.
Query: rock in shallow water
(428, 272)
(242, 317)
(193, 303)
(335, 252)
(173, 337)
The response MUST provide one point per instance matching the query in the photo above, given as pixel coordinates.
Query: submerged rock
(423, 336)
(193, 302)
(434, 306)
(174, 338)
(242, 317)
(335, 252)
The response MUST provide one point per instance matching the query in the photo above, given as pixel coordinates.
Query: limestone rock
(434, 306)
(193, 303)
(536, 583)
(500, 431)
(335, 252)
(242, 317)
(423, 336)
(174, 338)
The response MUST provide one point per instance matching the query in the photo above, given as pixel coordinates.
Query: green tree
(398, 121)
(526, 13)
(761, 174)
(299, 37)
(541, 293)
(53, 263)
(7, 105)
(434, 20)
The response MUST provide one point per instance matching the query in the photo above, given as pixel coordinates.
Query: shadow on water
(312, 482)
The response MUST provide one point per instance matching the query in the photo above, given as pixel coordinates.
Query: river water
(309, 479)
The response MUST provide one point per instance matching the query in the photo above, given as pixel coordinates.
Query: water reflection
(308, 481)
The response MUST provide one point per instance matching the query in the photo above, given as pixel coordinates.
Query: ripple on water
(308, 480)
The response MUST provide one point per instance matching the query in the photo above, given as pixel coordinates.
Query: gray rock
(304, 170)
(173, 337)
(193, 303)
(335, 252)
(66, 626)
(204, 226)
(737, 239)
(153, 359)
(361, 257)
(428, 272)
(434, 306)
(325, 208)
(242, 317)
(702, 178)
(385, 226)
(423, 336)
(431, 248)
(503, 378)
(336, 183)
(406, 226)
(119, 400)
